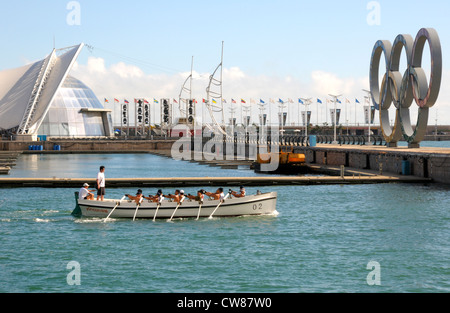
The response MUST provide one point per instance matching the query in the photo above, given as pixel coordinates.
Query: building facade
(43, 99)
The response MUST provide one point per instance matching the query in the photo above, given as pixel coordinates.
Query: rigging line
(135, 60)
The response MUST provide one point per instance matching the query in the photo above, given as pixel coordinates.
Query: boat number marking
(257, 206)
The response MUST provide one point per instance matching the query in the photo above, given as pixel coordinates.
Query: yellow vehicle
(288, 161)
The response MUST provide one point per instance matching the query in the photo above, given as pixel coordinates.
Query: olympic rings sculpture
(402, 90)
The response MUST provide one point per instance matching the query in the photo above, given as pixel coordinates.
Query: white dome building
(42, 99)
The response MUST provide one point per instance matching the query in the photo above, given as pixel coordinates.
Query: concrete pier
(208, 181)
(433, 163)
(7, 161)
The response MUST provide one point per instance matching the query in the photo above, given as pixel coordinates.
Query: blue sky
(284, 40)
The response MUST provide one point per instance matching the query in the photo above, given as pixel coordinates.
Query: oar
(219, 205)
(156, 212)
(181, 201)
(114, 208)
(137, 207)
(199, 208)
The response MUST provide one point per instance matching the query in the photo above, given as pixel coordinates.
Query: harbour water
(324, 239)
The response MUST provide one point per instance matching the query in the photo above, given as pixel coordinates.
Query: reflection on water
(117, 166)
(31, 163)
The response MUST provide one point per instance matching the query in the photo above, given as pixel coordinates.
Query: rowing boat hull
(263, 204)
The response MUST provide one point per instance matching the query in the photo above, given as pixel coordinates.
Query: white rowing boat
(259, 204)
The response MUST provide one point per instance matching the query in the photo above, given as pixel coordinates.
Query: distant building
(43, 99)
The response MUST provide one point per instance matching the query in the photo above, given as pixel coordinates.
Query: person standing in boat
(101, 183)
(85, 193)
(241, 193)
(138, 198)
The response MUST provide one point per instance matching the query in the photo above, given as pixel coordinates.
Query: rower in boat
(218, 195)
(241, 193)
(159, 197)
(199, 197)
(138, 198)
(178, 196)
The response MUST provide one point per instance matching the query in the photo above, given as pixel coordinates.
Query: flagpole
(346, 119)
(121, 120)
(203, 112)
(317, 108)
(370, 112)
(335, 113)
(306, 118)
(288, 114)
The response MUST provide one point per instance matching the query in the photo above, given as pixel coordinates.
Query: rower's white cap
(182, 191)
(85, 185)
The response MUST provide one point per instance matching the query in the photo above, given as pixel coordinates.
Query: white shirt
(101, 179)
(83, 193)
(222, 196)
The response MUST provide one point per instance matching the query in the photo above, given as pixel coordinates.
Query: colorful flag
(261, 101)
(116, 100)
(126, 101)
(155, 101)
(243, 101)
(319, 101)
(357, 101)
(214, 101)
(204, 101)
(106, 100)
(281, 101)
(300, 101)
(224, 101)
(233, 101)
(145, 101)
(175, 101)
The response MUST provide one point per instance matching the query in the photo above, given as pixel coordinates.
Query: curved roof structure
(28, 93)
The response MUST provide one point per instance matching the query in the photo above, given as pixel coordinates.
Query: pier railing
(304, 141)
(351, 140)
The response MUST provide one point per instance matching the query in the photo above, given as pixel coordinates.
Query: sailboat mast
(190, 83)
(221, 88)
